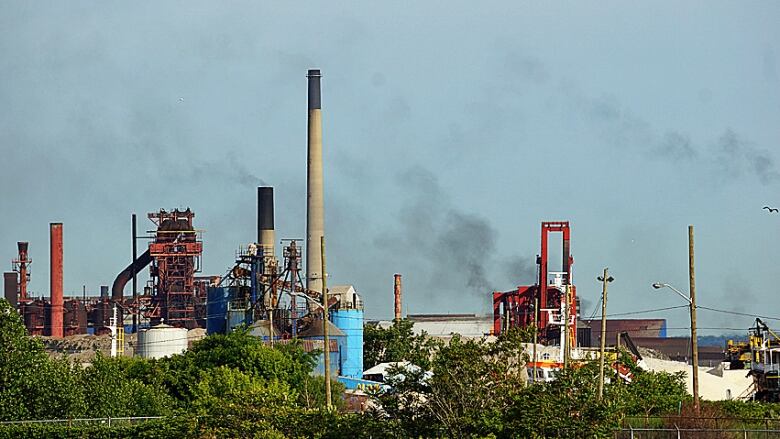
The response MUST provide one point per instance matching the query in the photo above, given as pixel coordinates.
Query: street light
(694, 342)
(659, 285)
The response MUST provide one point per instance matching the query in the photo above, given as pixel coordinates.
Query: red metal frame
(516, 308)
(176, 252)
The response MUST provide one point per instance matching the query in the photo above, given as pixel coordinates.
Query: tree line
(236, 386)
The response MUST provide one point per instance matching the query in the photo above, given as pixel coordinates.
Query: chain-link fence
(695, 433)
(698, 427)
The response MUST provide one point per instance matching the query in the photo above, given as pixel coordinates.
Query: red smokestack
(55, 276)
(397, 291)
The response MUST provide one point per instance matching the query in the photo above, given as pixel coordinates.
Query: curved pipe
(118, 288)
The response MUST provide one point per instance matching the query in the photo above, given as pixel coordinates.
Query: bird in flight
(771, 209)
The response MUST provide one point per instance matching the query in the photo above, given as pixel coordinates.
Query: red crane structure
(556, 312)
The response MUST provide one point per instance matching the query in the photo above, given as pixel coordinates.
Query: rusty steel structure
(21, 265)
(554, 291)
(175, 250)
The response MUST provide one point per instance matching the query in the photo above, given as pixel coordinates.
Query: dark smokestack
(265, 220)
(55, 279)
(10, 287)
(104, 291)
(315, 97)
(315, 202)
(397, 295)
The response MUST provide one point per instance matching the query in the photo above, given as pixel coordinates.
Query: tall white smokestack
(315, 203)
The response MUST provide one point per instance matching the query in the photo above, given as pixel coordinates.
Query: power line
(646, 311)
(736, 313)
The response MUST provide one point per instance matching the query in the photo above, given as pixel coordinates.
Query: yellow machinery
(765, 362)
(737, 354)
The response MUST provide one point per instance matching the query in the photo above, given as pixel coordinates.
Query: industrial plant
(169, 295)
(277, 289)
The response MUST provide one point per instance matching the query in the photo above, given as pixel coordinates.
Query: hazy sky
(451, 130)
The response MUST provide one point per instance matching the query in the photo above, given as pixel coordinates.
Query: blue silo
(336, 336)
(350, 321)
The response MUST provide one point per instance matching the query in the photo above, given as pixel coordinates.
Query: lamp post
(605, 279)
(694, 344)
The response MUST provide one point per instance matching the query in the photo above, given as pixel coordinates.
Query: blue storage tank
(350, 321)
(216, 310)
(314, 332)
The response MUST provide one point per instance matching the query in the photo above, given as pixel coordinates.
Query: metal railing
(695, 433)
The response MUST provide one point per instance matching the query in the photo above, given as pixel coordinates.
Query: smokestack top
(22, 246)
(265, 208)
(315, 100)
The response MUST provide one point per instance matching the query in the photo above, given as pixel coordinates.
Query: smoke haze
(449, 134)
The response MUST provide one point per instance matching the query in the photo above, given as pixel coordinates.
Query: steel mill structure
(551, 304)
(276, 296)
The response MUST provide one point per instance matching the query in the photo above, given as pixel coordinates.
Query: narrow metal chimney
(315, 206)
(55, 279)
(23, 261)
(397, 294)
(266, 237)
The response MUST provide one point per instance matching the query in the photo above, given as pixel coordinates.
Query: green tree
(396, 343)
(466, 391)
(32, 385)
(109, 390)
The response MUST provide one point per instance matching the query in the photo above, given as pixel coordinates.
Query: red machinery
(554, 293)
(175, 253)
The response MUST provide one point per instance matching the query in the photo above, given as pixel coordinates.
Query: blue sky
(451, 130)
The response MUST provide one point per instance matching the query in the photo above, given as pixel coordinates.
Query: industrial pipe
(55, 279)
(315, 204)
(118, 287)
(397, 294)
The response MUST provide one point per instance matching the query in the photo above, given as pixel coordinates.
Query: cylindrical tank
(100, 316)
(161, 341)
(35, 317)
(75, 317)
(350, 321)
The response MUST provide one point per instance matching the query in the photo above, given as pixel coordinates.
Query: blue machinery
(253, 291)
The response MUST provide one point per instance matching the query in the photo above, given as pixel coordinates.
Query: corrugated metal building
(636, 328)
(444, 325)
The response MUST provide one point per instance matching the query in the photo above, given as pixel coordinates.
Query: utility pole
(536, 333)
(694, 341)
(325, 337)
(605, 279)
